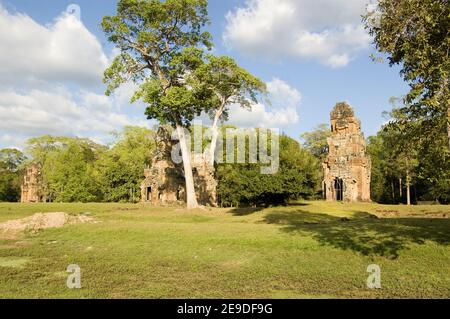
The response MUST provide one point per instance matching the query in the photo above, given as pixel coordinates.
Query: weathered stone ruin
(164, 182)
(347, 169)
(204, 180)
(32, 190)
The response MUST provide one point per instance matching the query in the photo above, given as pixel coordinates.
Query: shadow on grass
(246, 211)
(364, 232)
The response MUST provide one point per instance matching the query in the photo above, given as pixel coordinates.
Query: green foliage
(10, 174)
(383, 175)
(244, 185)
(433, 171)
(79, 170)
(11, 159)
(222, 79)
(120, 169)
(160, 44)
(416, 35)
(68, 171)
(402, 153)
(158, 47)
(317, 141)
(415, 145)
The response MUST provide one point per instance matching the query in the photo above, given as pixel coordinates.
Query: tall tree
(227, 83)
(416, 35)
(152, 37)
(405, 157)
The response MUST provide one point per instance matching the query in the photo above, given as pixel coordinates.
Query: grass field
(305, 250)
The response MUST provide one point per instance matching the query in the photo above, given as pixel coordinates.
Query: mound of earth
(42, 221)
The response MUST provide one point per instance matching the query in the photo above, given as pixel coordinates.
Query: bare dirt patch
(41, 221)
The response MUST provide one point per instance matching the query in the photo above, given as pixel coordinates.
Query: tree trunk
(191, 199)
(445, 98)
(215, 135)
(393, 191)
(408, 188)
(448, 125)
(400, 181)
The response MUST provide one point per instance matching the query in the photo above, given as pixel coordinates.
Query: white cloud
(10, 141)
(329, 31)
(282, 112)
(60, 113)
(49, 78)
(283, 95)
(64, 51)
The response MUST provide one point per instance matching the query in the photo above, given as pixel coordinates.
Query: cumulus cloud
(10, 141)
(282, 111)
(49, 78)
(63, 51)
(329, 31)
(60, 112)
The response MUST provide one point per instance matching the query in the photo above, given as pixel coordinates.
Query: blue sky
(311, 58)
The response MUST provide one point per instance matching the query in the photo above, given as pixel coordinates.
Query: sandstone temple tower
(32, 190)
(347, 168)
(164, 182)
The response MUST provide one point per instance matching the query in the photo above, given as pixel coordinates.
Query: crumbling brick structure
(164, 182)
(32, 189)
(347, 168)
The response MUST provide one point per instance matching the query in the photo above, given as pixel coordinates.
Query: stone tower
(347, 168)
(32, 190)
(164, 182)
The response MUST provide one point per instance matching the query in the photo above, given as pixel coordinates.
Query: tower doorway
(339, 189)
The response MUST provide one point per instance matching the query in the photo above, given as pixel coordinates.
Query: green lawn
(306, 250)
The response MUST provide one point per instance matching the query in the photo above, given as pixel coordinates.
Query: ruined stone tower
(164, 182)
(32, 190)
(347, 168)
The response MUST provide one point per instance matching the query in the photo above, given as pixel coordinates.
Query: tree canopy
(244, 185)
(316, 141)
(159, 44)
(11, 161)
(119, 170)
(416, 35)
(155, 40)
(225, 83)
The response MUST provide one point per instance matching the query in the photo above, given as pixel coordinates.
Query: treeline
(410, 160)
(297, 177)
(79, 170)
(11, 161)
(411, 153)
(410, 163)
